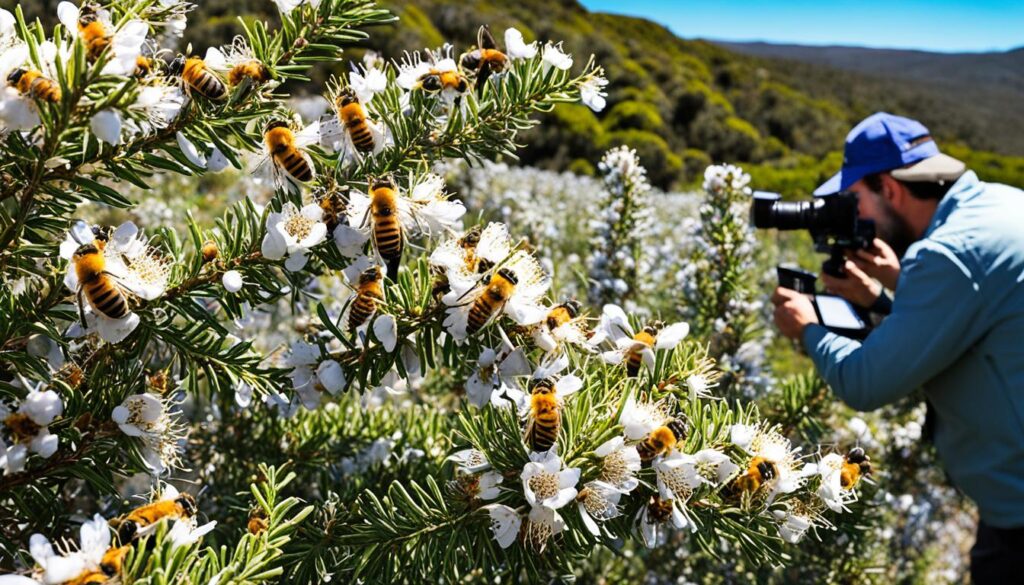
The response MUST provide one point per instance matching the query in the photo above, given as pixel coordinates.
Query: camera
(835, 227)
(831, 219)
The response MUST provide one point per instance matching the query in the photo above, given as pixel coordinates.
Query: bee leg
(81, 309)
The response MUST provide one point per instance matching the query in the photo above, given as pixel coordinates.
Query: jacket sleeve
(936, 303)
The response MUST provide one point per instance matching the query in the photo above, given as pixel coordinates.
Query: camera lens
(770, 212)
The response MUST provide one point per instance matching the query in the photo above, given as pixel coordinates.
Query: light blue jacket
(957, 330)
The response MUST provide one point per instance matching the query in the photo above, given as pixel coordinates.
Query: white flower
(572, 331)
(94, 540)
(291, 232)
(698, 387)
(620, 464)
(792, 527)
(741, 435)
(689, 472)
(158, 104)
(592, 92)
(488, 486)
(772, 447)
(542, 524)
(216, 162)
(546, 484)
(149, 418)
(470, 461)
(385, 329)
(286, 6)
(505, 523)
(188, 148)
(554, 57)
(367, 82)
(106, 125)
(495, 374)
(638, 419)
(330, 376)
(529, 284)
(232, 281)
(184, 532)
(28, 430)
(243, 394)
(597, 501)
(516, 48)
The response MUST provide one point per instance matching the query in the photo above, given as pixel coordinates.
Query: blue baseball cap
(884, 142)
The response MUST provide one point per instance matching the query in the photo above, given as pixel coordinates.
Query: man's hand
(879, 263)
(793, 312)
(857, 287)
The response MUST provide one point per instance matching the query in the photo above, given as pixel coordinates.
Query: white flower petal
(232, 281)
(106, 125)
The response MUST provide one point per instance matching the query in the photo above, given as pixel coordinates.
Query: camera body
(835, 227)
(831, 219)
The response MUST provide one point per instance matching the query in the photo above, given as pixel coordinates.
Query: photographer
(957, 322)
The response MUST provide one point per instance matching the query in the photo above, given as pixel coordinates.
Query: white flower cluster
(25, 429)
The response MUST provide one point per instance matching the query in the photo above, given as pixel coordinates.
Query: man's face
(890, 226)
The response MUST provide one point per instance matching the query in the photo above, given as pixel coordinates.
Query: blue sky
(932, 25)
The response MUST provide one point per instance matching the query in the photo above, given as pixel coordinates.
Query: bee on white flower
(93, 26)
(774, 468)
(839, 476)
(292, 232)
(478, 480)
(564, 324)
(436, 73)
(424, 210)
(351, 129)
(18, 111)
(94, 541)
(285, 161)
(632, 347)
(514, 287)
(128, 260)
(148, 417)
(653, 518)
(639, 419)
(238, 64)
(464, 259)
(27, 428)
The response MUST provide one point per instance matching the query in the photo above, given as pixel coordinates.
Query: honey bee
(93, 32)
(368, 293)
(113, 559)
(759, 472)
(21, 427)
(295, 164)
(435, 81)
(258, 522)
(498, 289)
(334, 204)
(662, 439)
(253, 70)
(31, 83)
(634, 356)
(363, 135)
(562, 314)
(659, 510)
(139, 521)
(71, 374)
(485, 59)
(88, 578)
(198, 77)
(855, 465)
(96, 284)
(545, 416)
(144, 66)
(209, 251)
(388, 237)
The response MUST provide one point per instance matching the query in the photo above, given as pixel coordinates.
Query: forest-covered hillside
(682, 104)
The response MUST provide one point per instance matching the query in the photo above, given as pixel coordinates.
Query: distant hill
(684, 104)
(987, 87)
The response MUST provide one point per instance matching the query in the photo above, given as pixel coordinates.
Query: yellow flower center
(545, 485)
(299, 226)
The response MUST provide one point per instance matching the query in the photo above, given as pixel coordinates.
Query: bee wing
(215, 59)
(332, 133)
(308, 135)
(484, 39)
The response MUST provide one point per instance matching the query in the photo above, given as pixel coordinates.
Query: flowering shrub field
(238, 345)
